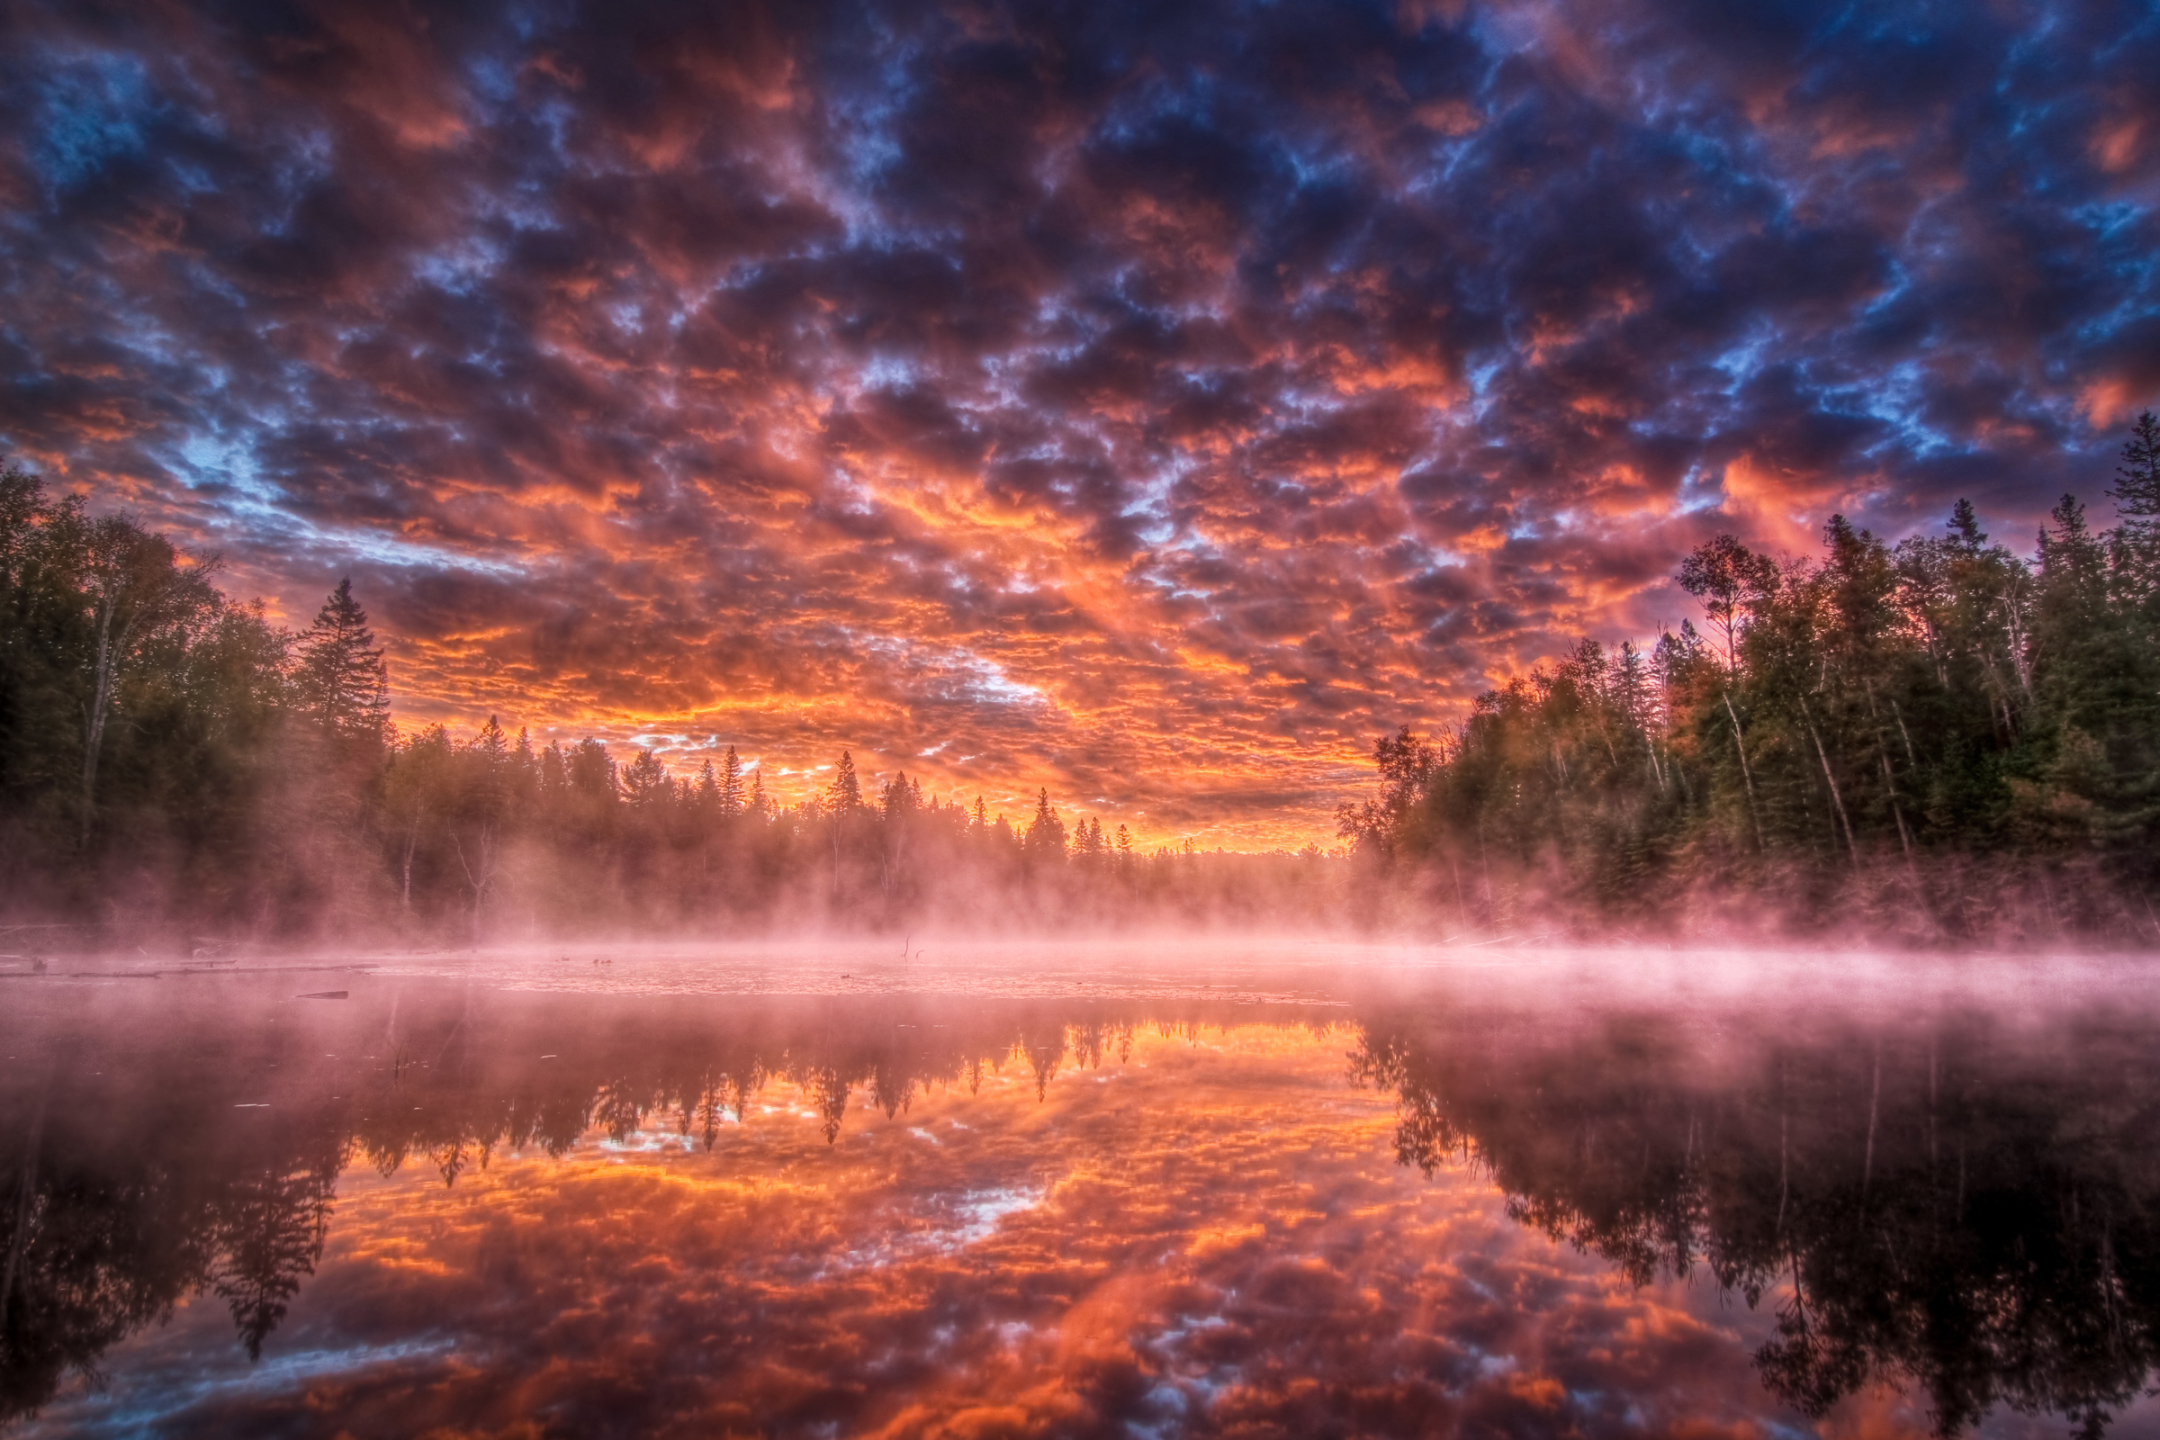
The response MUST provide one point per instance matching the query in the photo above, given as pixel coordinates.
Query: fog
(1175, 963)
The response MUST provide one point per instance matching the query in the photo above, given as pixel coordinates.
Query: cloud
(1155, 404)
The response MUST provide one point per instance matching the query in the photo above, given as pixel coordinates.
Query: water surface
(1089, 1191)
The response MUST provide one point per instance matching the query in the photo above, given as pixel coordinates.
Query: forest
(1937, 741)
(1934, 742)
(177, 772)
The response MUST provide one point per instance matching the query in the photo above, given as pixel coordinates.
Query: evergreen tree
(2137, 482)
(2078, 642)
(1044, 843)
(731, 784)
(341, 683)
(844, 795)
(589, 770)
(1942, 706)
(645, 781)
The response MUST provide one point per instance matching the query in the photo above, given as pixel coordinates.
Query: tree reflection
(124, 1194)
(107, 1225)
(1959, 1203)
(1954, 1204)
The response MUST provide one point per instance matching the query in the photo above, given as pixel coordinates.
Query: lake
(1150, 1189)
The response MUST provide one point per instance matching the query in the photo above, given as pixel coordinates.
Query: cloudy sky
(1149, 402)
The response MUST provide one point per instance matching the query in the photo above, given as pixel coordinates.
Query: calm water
(1108, 1191)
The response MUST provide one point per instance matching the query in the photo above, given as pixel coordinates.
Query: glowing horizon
(1150, 409)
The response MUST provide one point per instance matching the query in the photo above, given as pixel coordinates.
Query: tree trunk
(484, 877)
(1910, 754)
(1836, 799)
(1897, 811)
(412, 839)
(100, 707)
(1747, 775)
(25, 1200)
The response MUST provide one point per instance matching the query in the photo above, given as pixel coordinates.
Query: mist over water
(1437, 717)
(1174, 1187)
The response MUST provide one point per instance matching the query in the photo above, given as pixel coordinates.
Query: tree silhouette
(340, 682)
(731, 784)
(1044, 843)
(1936, 1204)
(1936, 741)
(271, 1223)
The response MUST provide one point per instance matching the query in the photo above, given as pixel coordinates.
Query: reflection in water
(1957, 1203)
(111, 1218)
(1952, 1203)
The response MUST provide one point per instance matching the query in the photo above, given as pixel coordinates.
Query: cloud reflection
(902, 1216)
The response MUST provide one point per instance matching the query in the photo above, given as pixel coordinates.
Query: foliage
(1937, 740)
(250, 783)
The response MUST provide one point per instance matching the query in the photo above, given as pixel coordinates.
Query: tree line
(170, 755)
(1938, 740)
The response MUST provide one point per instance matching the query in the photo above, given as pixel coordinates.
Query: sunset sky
(1151, 403)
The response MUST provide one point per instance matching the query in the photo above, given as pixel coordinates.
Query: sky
(1151, 404)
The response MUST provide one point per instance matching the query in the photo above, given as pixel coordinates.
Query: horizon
(1153, 409)
(1497, 660)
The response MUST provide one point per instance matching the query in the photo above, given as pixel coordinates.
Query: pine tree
(2071, 629)
(492, 751)
(2096, 681)
(844, 795)
(731, 786)
(646, 782)
(2137, 478)
(899, 798)
(1045, 839)
(843, 798)
(341, 681)
(589, 770)
(2137, 498)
